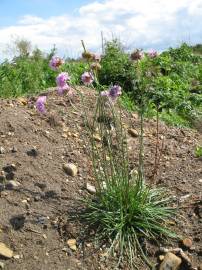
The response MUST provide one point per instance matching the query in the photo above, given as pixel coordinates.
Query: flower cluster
(62, 81)
(152, 54)
(40, 104)
(87, 78)
(113, 93)
(55, 62)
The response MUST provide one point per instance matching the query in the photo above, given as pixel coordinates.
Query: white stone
(170, 262)
(91, 189)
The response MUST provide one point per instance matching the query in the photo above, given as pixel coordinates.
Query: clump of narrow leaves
(125, 209)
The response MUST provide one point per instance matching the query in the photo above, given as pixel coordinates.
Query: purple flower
(152, 53)
(96, 57)
(87, 78)
(62, 84)
(113, 93)
(63, 89)
(55, 62)
(62, 79)
(40, 104)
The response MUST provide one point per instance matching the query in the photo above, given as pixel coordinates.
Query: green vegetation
(125, 210)
(29, 71)
(174, 78)
(116, 67)
(198, 151)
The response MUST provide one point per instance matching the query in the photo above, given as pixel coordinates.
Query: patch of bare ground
(34, 210)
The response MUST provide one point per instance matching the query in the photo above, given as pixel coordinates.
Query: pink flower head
(62, 84)
(55, 62)
(152, 53)
(62, 79)
(96, 57)
(40, 104)
(87, 78)
(113, 93)
(63, 89)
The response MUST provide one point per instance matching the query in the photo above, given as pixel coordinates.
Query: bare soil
(34, 216)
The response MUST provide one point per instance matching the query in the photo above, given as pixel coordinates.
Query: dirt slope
(33, 215)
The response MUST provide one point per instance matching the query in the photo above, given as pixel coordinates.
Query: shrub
(116, 66)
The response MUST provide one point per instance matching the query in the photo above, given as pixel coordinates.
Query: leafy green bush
(25, 75)
(116, 66)
(75, 68)
(29, 74)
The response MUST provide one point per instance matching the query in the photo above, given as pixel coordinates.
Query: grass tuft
(125, 209)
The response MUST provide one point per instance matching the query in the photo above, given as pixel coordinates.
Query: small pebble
(12, 184)
(72, 244)
(32, 152)
(17, 257)
(187, 242)
(70, 169)
(2, 150)
(97, 137)
(10, 176)
(133, 132)
(161, 257)
(91, 189)
(14, 149)
(9, 168)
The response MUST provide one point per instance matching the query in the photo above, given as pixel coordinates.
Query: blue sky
(145, 24)
(12, 10)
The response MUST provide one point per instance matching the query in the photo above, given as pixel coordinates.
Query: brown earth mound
(34, 208)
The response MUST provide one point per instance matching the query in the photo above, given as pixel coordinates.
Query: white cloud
(145, 23)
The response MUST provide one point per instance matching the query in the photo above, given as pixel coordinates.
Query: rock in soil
(133, 132)
(187, 242)
(70, 169)
(14, 149)
(5, 251)
(161, 257)
(10, 176)
(9, 168)
(32, 152)
(2, 265)
(72, 244)
(2, 150)
(12, 184)
(170, 262)
(91, 189)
